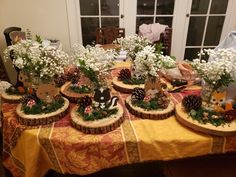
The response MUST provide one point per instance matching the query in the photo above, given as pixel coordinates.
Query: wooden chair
(16, 36)
(165, 39)
(109, 34)
(7, 32)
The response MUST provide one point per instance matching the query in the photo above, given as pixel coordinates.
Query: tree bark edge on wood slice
(98, 126)
(10, 98)
(154, 114)
(208, 128)
(42, 119)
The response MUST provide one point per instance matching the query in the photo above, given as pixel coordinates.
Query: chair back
(108, 34)
(16, 36)
(3, 71)
(7, 32)
(165, 39)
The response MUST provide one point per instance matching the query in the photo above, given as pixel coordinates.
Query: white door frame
(181, 23)
(74, 20)
(129, 9)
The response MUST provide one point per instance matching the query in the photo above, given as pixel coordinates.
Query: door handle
(122, 16)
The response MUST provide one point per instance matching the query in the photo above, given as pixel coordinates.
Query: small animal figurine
(47, 92)
(23, 80)
(218, 101)
(153, 87)
(102, 98)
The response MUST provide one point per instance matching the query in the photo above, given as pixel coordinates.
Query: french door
(200, 24)
(196, 24)
(91, 14)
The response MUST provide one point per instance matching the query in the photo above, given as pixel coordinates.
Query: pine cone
(192, 102)
(163, 101)
(60, 80)
(84, 101)
(230, 115)
(124, 74)
(74, 77)
(137, 94)
(25, 99)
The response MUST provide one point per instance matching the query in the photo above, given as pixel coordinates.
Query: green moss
(81, 89)
(198, 115)
(97, 114)
(150, 105)
(13, 91)
(134, 81)
(41, 107)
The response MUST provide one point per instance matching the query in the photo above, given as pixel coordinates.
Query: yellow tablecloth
(31, 152)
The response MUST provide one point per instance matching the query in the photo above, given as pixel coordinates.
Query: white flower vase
(231, 94)
(206, 91)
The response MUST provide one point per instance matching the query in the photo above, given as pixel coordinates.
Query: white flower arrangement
(149, 63)
(93, 61)
(220, 70)
(132, 44)
(34, 59)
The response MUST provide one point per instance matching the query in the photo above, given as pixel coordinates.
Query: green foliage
(150, 105)
(134, 81)
(81, 89)
(198, 115)
(42, 107)
(97, 114)
(158, 47)
(89, 72)
(13, 91)
(38, 39)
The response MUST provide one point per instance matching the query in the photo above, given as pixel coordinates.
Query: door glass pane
(165, 6)
(164, 20)
(145, 7)
(143, 20)
(110, 7)
(191, 53)
(89, 7)
(206, 56)
(219, 6)
(89, 26)
(195, 31)
(199, 6)
(214, 29)
(110, 22)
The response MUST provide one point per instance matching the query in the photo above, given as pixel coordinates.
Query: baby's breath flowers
(219, 71)
(34, 59)
(94, 62)
(149, 62)
(132, 44)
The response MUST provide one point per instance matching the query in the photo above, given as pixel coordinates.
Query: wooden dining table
(32, 151)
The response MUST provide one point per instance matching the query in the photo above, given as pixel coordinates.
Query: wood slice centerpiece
(72, 96)
(44, 118)
(124, 88)
(184, 118)
(11, 98)
(97, 126)
(152, 114)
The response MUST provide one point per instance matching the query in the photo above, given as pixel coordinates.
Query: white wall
(47, 18)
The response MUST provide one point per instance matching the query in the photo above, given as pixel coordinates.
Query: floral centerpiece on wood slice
(101, 112)
(38, 65)
(129, 78)
(214, 111)
(152, 102)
